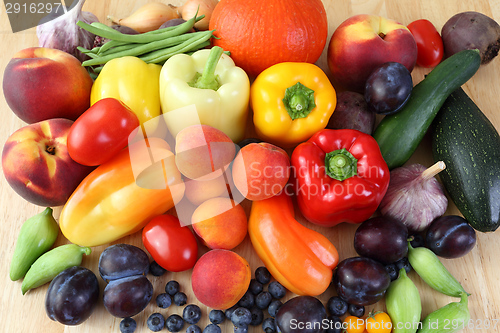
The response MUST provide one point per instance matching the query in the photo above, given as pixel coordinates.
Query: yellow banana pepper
(291, 101)
(122, 195)
(135, 83)
(205, 88)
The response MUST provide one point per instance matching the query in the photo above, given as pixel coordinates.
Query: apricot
(203, 152)
(199, 191)
(220, 278)
(260, 170)
(221, 223)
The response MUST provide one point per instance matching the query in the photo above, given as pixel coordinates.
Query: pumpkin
(262, 33)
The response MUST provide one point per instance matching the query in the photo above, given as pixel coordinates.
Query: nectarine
(37, 165)
(42, 83)
(363, 42)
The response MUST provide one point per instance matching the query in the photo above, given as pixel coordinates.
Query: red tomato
(171, 245)
(101, 132)
(429, 43)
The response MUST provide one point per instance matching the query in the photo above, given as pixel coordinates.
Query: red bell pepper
(340, 175)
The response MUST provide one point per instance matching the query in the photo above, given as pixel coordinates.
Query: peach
(260, 170)
(199, 191)
(220, 278)
(363, 42)
(203, 152)
(221, 223)
(37, 165)
(42, 83)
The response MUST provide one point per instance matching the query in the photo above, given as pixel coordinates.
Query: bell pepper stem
(341, 164)
(299, 101)
(208, 79)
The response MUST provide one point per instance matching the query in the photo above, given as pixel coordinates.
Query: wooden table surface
(478, 271)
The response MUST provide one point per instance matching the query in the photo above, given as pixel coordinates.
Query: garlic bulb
(414, 196)
(63, 34)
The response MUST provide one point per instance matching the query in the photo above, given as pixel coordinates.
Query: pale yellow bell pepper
(205, 88)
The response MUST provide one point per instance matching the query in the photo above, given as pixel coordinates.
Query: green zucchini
(399, 134)
(469, 144)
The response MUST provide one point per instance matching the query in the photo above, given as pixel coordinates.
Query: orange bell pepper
(301, 259)
(122, 195)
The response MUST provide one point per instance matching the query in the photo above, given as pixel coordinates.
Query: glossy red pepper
(429, 43)
(340, 176)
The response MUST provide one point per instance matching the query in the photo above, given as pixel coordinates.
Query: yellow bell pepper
(209, 81)
(291, 101)
(135, 83)
(122, 195)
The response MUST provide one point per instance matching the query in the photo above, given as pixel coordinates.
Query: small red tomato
(101, 132)
(171, 245)
(429, 43)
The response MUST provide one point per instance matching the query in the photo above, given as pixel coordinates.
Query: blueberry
(337, 306)
(216, 317)
(273, 308)
(269, 325)
(392, 270)
(262, 275)
(240, 329)
(156, 322)
(255, 287)
(403, 263)
(212, 328)
(193, 329)
(334, 325)
(257, 316)
(263, 300)
(277, 290)
(230, 311)
(163, 300)
(241, 317)
(356, 310)
(128, 325)
(155, 269)
(174, 323)
(172, 287)
(191, 314)
(180, 298)
(247, 301)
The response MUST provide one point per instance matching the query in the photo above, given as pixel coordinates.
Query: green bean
(87, 52)
(119, 48)
(139, 38)
(138, 49)
(102, 26)
(110, 44)
(162, 55)
(196, 19)
(145, 48)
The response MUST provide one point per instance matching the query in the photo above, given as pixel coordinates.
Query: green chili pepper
(451, 318)
(45, 268)
(433, 272)
(403, 304)
(36, 236)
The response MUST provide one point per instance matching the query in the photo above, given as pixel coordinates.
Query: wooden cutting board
(478, 271)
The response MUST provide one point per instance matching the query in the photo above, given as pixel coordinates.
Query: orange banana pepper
(301, 259)
(122, 195)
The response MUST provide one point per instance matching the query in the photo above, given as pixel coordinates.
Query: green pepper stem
(299, 101)
(208, 79)
(341, 164)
